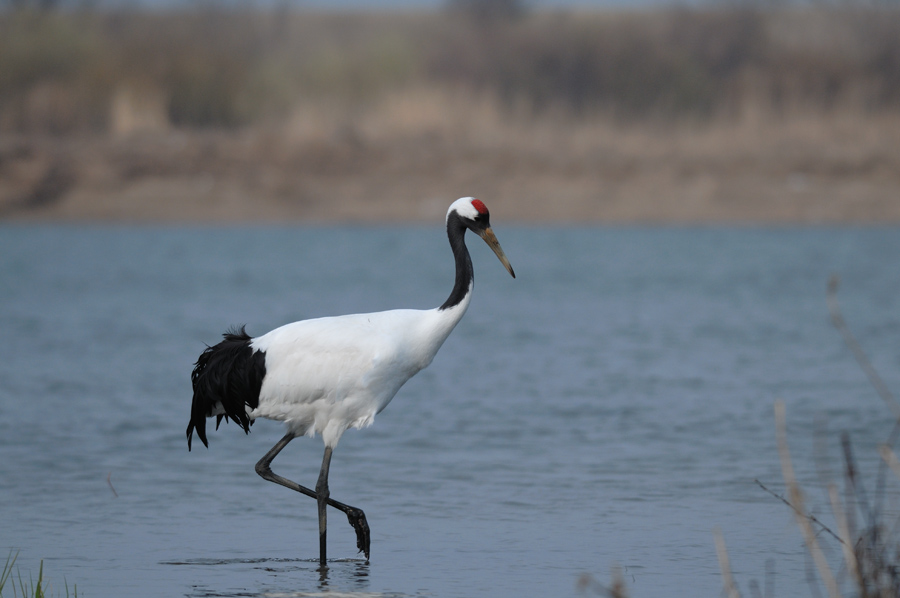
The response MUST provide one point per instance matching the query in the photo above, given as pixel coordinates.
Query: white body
(329, 374)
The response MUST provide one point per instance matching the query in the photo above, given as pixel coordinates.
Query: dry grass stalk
(797, 501)
(872, 558)
(846, 537)
(875, 550)
(618, 590)
(810, 516)
(890, 458)
(587, 583)
(730, 587)
(841, 325)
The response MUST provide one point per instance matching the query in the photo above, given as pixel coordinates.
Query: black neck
(456, 232)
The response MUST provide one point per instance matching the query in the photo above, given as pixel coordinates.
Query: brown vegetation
(735, 114)
(866, 521)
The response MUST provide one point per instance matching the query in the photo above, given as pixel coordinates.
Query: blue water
(609, 407)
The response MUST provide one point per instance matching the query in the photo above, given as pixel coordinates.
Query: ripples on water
(610, 406)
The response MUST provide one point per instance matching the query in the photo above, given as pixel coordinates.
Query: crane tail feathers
(227, 379)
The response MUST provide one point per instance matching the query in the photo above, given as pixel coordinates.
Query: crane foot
(358, 520)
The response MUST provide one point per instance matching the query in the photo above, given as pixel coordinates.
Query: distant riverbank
(408, 159)
(213, 113)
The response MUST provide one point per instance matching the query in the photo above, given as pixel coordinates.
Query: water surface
(611, 406)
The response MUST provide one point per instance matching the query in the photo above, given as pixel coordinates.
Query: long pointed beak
(491, 239)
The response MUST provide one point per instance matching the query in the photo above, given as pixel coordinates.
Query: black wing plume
(227, 376)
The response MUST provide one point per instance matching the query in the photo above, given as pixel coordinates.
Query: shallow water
(611, 406)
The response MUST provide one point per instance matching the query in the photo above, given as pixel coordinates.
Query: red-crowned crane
(328, 374)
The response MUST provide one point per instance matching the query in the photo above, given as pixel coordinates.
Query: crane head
(475, 215)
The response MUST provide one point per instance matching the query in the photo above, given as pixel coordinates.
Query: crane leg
(355, 516)
(322, 496)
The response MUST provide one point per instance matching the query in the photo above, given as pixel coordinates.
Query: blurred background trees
(76, 68)
(743, 110)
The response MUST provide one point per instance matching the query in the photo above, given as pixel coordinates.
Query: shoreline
(801, 171)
